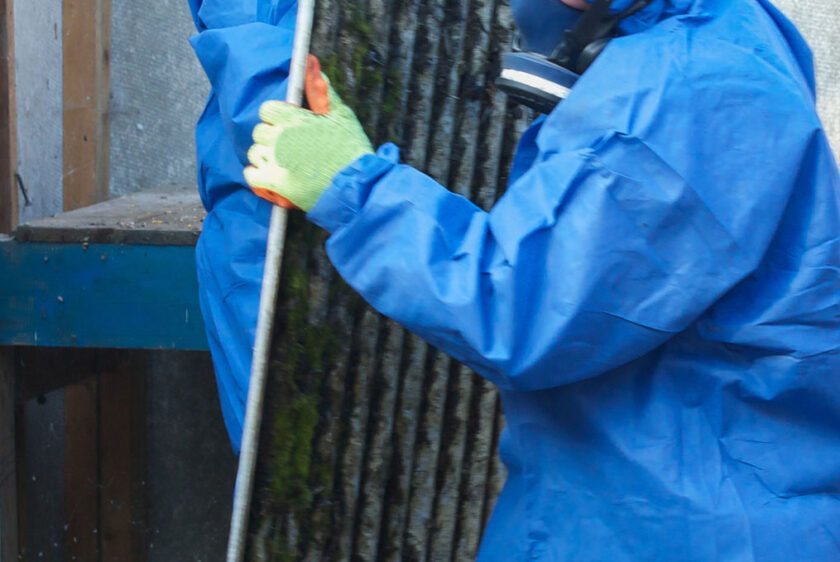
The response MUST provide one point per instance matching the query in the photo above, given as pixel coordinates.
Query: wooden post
(9, 482)
(105, 459)
(8, 122)
(81, 470)
(86, 28)
(122, 440)
(86, 79)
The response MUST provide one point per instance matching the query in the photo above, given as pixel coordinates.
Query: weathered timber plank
(399, 72)
(51, 289)
(333, 317)
(424, 471)
(379, 16)
(81, 470)
(420, 107)
(164, 216)
(357, 432)
(451, 467)
(122, 440)
(86, 31)
(477, 461)
(496, 473)
(9, 496)
(451, 65)
(8, 120)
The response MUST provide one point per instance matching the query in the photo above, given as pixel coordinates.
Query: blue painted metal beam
(99, 295)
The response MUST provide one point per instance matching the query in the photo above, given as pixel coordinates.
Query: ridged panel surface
(375, 445)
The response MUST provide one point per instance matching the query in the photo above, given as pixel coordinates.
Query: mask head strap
(596, 24)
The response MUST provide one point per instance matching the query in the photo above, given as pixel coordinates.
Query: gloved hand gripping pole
(265, 319)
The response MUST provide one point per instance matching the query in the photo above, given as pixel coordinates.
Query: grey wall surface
(44, 477)
(39, 104)
(158, 92)
(189, 462)
(819, 22)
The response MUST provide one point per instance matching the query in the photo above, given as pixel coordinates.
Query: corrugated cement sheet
(377, 446)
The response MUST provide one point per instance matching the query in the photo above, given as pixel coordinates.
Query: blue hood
(542, 23)
(793, 43)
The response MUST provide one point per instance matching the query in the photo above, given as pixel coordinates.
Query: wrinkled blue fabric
(245, 47)
(657, 295)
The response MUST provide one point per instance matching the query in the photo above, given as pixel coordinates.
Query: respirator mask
(555, 45)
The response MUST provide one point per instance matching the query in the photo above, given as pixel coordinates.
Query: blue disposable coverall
(657, 295)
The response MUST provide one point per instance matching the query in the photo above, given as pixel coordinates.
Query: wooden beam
(144, 296)
(122, 438)
(8, 121)
(87, 86)
(105, 459)
(81, 470)
(9, 482)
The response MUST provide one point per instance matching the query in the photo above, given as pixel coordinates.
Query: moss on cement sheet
(375, 446)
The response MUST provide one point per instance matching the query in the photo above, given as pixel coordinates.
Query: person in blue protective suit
(657, 295)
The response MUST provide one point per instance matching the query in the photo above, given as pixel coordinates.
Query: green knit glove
(297, 152)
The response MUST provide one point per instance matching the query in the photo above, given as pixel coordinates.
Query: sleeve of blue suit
(592, 259)
(598, 253)
(245, 49)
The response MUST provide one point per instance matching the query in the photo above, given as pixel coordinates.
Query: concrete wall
(158, 92)
(189, 462)
(819, 22)
(38, 64)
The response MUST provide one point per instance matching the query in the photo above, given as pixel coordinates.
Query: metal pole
(265, 320)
